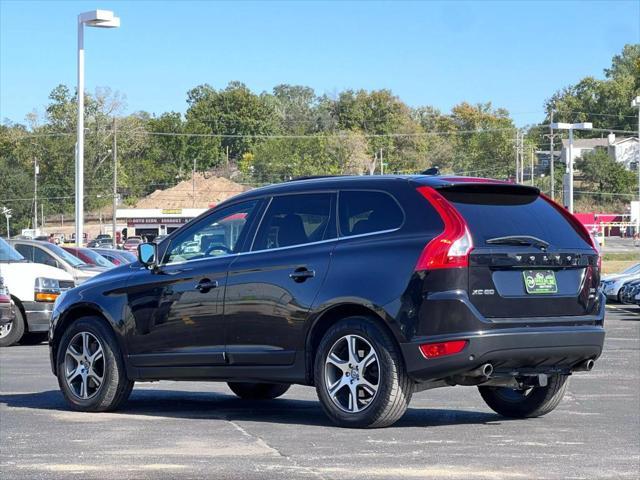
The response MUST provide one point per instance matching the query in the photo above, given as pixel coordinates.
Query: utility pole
(36, 170)
(193, 183)
(228, 161)
(552, 136)
(532, 155)
(381, 163)
(115, 182)
(517, 156)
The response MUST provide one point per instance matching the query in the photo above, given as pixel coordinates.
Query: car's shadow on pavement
(204, 405)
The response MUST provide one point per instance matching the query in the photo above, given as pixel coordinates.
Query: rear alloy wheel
(527, 403)
(90, 367)
(12, 332)
(359, 375)
(258, 391)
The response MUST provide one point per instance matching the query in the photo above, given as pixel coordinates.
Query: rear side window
(295, 220)
(490, 214)
(364, 212)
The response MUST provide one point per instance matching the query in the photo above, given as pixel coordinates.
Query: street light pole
(571, 127)
(100, 19)
(115, 181)
(79, 210)
(636, 103)
(7, 213)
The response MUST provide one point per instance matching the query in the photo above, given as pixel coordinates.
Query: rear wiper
(519, 240)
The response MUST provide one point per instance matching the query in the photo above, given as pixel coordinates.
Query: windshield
(66, 256)
(632, 269)
(8, 253)
(97, 259)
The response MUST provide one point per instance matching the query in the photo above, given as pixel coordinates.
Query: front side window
(26, 251)
(364, 212)
(40, 256)
(295, 220)
(214, 236)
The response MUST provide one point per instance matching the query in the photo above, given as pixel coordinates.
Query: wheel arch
(72, 315)
(19, 306)
(332, 315)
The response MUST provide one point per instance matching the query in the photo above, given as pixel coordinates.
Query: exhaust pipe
(485, 370)
(585, 366)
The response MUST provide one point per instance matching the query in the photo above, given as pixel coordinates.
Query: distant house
(623, 149)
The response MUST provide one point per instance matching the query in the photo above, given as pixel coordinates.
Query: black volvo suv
(368, 288)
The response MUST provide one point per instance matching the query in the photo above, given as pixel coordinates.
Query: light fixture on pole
(636, 104)
(99, 19)
(7, 213)
(569, 159)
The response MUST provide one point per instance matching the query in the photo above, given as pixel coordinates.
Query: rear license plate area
(540, 282)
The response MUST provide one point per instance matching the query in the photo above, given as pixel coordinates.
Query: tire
(258, 391)
(34, 338)
(115, 387)
(535, 402)
(382, 389)
(15, 332)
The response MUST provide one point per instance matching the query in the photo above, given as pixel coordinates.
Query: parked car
(100, 243)
(90, 257)
(629, 291)
(611, 284)
(117, 257)
(131, 244)
(368, 288)
(7, 311)
(33, 288)
(55, 256)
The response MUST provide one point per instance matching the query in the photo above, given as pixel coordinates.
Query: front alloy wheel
(84, 365)
(90, 367)
(352, 373)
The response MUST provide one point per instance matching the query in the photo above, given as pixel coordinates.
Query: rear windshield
(491, 214)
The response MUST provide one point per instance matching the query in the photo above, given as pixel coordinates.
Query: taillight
(434, 350)
(577, 226)
(451, 248)
(5, 298)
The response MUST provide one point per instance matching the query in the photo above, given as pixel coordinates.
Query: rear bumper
(544, 349)
(38, 315)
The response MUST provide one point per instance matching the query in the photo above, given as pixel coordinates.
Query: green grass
(621, 257)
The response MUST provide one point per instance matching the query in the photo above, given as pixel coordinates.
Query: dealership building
(151, 222)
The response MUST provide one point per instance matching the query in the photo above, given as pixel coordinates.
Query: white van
(33, 288)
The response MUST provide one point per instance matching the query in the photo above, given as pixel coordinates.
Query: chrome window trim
(251, 252)
(339, 238)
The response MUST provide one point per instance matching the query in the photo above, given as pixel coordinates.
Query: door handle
(205, 285)
(301, 274)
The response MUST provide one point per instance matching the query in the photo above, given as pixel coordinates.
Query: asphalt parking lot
(200, 430)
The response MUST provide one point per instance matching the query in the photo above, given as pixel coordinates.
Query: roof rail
(312, 177)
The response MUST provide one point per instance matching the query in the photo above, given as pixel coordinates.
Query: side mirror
(148, 255)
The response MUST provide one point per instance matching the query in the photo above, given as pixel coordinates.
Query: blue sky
(515, 54)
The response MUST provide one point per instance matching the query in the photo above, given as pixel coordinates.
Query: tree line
(258, 138)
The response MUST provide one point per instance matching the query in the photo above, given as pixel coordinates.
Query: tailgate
(544, 263)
